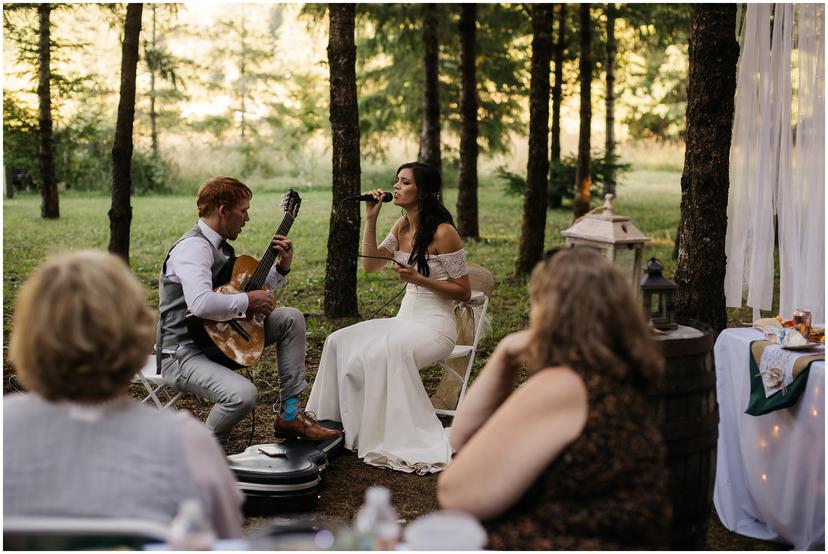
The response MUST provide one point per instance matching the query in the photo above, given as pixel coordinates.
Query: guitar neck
(269, 256)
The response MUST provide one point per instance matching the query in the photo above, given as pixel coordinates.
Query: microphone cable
(336, 220)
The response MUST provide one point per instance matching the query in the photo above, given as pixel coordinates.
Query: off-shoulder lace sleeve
(390, 243)
(455, 263)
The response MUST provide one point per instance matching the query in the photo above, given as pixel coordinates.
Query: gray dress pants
(234, 395)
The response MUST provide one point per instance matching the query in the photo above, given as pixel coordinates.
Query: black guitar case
(284, 476)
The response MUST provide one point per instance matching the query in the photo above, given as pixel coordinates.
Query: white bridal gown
(369, 376)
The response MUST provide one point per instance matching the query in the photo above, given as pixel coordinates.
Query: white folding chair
(62, 533)
(158, 390)
(469, 350)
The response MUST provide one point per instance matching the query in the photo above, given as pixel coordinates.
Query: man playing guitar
(194, 266)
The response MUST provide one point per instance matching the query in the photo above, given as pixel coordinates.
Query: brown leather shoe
(303, 426)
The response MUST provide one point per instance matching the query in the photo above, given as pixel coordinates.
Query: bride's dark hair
(432, 212)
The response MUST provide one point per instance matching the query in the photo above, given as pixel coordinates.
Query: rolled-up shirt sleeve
(189, 263)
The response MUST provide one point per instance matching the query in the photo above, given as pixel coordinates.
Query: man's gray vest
(172, 308)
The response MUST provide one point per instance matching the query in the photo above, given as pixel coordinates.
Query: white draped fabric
(803, 283)
(769, 178)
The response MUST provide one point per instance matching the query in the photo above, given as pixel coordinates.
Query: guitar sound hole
(239, 329)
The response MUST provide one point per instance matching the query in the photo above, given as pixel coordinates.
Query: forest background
(243, 90)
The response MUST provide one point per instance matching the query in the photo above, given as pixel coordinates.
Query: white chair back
(72, 533)
(452, 388)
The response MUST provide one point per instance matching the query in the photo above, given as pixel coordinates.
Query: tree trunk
(120, 214)
(49, 208)
(555, 154)
(609, 145)
(534, 201)
(343, 236)
(430, 131)
(242, 75)
(711, 87)
(467, 223)
(8, 176)
(153, 115)
(583, 172)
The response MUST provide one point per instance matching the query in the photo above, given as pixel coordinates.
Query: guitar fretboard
(269, 256)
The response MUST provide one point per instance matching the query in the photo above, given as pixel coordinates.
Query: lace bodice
(441, 266)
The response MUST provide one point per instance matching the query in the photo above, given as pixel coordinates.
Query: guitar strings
(263, 269)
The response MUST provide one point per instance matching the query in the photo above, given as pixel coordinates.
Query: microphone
(386, 197)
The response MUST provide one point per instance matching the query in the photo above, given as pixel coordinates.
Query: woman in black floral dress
(572, 459)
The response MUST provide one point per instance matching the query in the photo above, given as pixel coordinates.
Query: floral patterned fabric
(608, 490)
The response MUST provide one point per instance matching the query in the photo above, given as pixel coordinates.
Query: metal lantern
(658, 293)
(614, 235)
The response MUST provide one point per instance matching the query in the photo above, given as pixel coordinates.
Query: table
(770, 469)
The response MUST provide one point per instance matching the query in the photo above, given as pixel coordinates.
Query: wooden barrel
(688, 415)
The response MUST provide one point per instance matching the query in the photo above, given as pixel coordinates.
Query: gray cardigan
(117, 459)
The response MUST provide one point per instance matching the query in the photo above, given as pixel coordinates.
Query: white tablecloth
(770, 469)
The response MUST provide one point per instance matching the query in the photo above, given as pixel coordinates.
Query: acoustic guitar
(240, 342)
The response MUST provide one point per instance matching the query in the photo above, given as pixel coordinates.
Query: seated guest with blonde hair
(572, 459)
(76, 445)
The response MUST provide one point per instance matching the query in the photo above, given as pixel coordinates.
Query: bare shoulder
(553, 392)
(395, 228)
(447, 239)
(559, 379)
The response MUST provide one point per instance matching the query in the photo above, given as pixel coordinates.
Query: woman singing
(369, 372)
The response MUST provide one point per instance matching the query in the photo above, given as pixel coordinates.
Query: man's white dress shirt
(190, 264)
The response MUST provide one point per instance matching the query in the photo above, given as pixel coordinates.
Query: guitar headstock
(291, 203)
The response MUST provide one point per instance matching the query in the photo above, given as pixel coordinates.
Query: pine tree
(120, 214)
(343, 237)
(711, 89)
(537, 169)
(609, 143)
(467, 224)
(430, 131)
(50, 208)
(555, 197)
(583, 173)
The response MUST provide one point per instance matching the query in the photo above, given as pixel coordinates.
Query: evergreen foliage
(389, 69)
(82, 152)
(657, 76)
(82, 141)
(286, 104)
(562, 180)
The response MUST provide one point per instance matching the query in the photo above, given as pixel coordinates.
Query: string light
(763, 443)
(814, 412)
(776, 431)
(764, 477)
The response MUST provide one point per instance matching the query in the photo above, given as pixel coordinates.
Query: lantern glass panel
(655, 304)
(625, 261)
(602, 248)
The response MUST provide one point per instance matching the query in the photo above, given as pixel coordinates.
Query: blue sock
(290, 408)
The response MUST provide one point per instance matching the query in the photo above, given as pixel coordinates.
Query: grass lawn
(651, 198)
